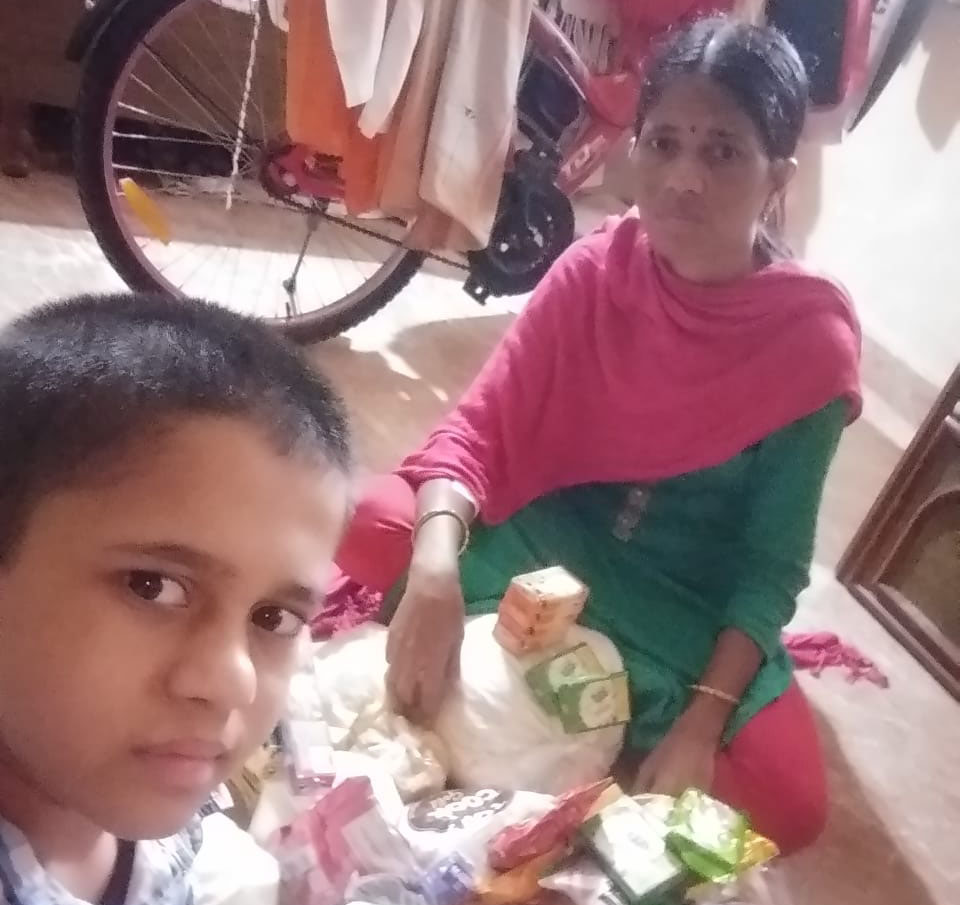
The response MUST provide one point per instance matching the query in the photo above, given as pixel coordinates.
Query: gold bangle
(434, 513)
(716, 693)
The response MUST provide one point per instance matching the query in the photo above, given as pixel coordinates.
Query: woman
(659, 419)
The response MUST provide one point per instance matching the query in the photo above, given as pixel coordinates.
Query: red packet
(531, 839)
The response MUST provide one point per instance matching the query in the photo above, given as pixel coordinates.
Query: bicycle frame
(610, 100)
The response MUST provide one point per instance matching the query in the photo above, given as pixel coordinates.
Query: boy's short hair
(82, 379)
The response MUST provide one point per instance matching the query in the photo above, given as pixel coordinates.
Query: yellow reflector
(146, 210)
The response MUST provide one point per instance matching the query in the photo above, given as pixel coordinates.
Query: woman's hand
(423, 646)
(684, 758)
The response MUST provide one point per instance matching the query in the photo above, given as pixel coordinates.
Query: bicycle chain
(458, 265)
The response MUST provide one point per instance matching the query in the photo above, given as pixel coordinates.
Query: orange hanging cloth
(317, 114)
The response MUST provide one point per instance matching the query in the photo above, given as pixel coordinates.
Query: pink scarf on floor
(620, 370)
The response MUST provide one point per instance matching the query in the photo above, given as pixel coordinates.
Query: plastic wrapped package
(534, 837)
(343, 687)
(496, 734)
(584, 882)
(343, 836)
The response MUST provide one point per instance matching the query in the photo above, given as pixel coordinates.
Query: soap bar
(542, 593)
(538, 608)
(594, 703)
(569, 665)
(630, 845)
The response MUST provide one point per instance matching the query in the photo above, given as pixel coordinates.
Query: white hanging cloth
(399, 44)
(357, 39)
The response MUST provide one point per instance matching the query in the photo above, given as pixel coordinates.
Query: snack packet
(342, 836)
(707, 835)
(451, 881)
(629, 840)
(309, 754)
(532, 838)
(570, 665)
(583, 882)
(594, 703)
(520, 886)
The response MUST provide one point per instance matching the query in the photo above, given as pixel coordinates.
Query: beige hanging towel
(475, 115)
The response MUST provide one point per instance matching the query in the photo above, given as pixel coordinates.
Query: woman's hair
(756, 65)
(83, 379)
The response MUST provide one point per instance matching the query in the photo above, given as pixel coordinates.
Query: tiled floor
(892, 754)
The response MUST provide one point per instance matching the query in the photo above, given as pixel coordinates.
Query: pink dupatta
(620, 370)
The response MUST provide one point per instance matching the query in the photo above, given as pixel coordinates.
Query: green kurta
(672, 564)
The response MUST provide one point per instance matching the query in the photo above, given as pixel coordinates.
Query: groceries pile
(356, 812)
(593, 846)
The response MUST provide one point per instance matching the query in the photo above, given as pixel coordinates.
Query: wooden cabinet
(904, 562)
(33, 37)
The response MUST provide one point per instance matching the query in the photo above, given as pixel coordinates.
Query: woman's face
(704, 180)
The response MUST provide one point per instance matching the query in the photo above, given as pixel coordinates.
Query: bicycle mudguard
(92, 22)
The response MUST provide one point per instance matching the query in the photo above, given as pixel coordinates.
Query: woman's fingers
(646, 777)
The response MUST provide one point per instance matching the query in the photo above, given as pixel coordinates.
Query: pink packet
(344, 835)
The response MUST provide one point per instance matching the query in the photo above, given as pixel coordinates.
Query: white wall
(885, 216)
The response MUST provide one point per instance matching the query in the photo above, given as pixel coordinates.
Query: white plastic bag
(497, 736)
(344, 687)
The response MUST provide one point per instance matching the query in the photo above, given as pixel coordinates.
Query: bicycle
(158, 115)
(180, 107)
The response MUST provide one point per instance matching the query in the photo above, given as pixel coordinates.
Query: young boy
(173, 483)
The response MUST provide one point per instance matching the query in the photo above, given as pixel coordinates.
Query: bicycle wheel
(157, 119)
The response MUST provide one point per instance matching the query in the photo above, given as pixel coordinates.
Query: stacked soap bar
(538, 609)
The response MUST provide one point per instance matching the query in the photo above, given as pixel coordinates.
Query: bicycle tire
(103, 66)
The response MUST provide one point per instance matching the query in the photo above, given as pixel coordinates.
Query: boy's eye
(156, 588)
(277, 621)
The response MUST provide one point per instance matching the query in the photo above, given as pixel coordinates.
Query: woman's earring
(774, 213)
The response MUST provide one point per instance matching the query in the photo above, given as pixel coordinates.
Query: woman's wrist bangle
(436, 513)
(715, 693)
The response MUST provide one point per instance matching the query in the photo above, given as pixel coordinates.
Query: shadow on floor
(856, 862)
(393, 411)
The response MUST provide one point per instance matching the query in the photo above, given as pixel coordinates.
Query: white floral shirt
(160, 873)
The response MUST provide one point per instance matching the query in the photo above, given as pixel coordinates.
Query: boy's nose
(216, 668)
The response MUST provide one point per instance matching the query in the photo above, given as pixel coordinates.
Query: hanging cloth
(356, 35)
(396, 56)
(317, 113)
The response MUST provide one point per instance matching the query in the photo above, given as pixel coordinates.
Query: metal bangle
(716, 693)
(434, 513)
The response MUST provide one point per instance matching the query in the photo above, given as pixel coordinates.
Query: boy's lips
(184, 764)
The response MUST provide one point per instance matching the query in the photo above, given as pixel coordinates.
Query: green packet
(569, 665)
(594, 703)
(706, 834)
(628, 840)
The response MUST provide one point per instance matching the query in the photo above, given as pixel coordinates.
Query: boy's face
(149, 625)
